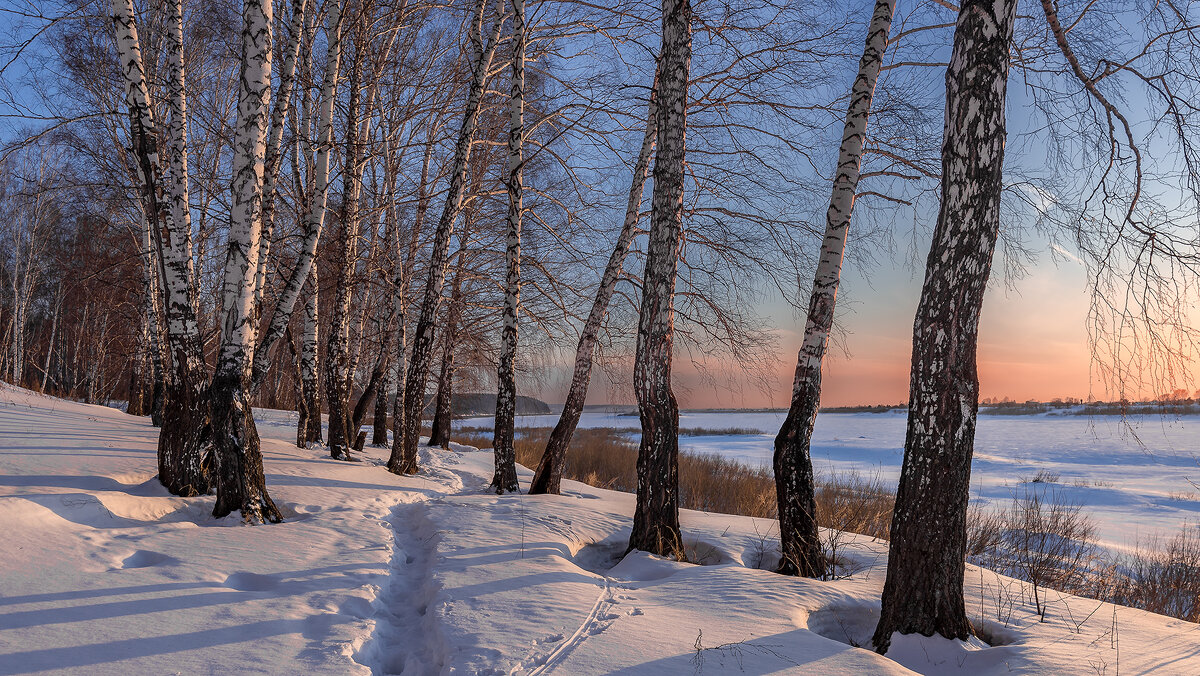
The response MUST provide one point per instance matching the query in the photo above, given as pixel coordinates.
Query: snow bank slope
(102, 572)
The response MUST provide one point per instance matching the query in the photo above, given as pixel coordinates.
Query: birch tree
(799, 539)
(418, 367)
(180, 448)
(401, 280)
(337, 355)
(923, 592)
(548, 476)
(239, 472)
(505, 478)
(656, 517)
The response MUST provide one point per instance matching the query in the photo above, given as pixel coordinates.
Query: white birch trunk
(239, 472)
(177, 134)
(402, 279)
(795, 492)
(339, 368)
(505, 478)
(309, 375)
(923, 590)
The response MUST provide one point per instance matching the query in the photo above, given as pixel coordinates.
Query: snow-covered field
(1135, 479)
(102, 572)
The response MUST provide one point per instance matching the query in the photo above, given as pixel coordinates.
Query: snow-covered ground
(1134, 478)
(102, 572)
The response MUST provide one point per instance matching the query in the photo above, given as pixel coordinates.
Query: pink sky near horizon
(1033, 344)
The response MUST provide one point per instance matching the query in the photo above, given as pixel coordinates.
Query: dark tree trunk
(547, 478)
(923, 592)
(379, 423)
(656, 518)
(364, 402)
(157, 398)
(443, 415)
(239, 475)
(422, 349)
(137, 399)
(301, 414)
(439, 429)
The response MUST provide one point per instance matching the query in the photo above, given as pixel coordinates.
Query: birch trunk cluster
(180, 449)
(656, 517)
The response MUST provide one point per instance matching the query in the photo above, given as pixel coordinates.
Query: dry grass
(607, 458)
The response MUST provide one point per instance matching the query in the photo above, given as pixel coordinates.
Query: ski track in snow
(595, 623)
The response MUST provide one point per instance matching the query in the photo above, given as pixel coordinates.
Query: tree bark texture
(443, 413)
(656, 516)
(239, 471)
(273, 159)
(401, 282)
(923, 592)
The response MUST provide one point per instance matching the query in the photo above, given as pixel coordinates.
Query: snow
(102, 572)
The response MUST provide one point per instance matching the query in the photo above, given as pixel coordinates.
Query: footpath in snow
(103, 572)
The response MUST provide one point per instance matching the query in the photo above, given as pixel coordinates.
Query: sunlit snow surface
(102, 572)
(1135, 478)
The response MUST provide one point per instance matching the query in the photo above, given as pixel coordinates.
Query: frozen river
(1135, 479)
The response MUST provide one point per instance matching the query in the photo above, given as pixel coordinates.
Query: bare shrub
(1043, 476)
(1045, 540)
(1162, 579)
(985, 531)
(851, 502)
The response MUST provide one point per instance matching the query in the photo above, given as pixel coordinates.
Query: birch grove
(235, 221)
